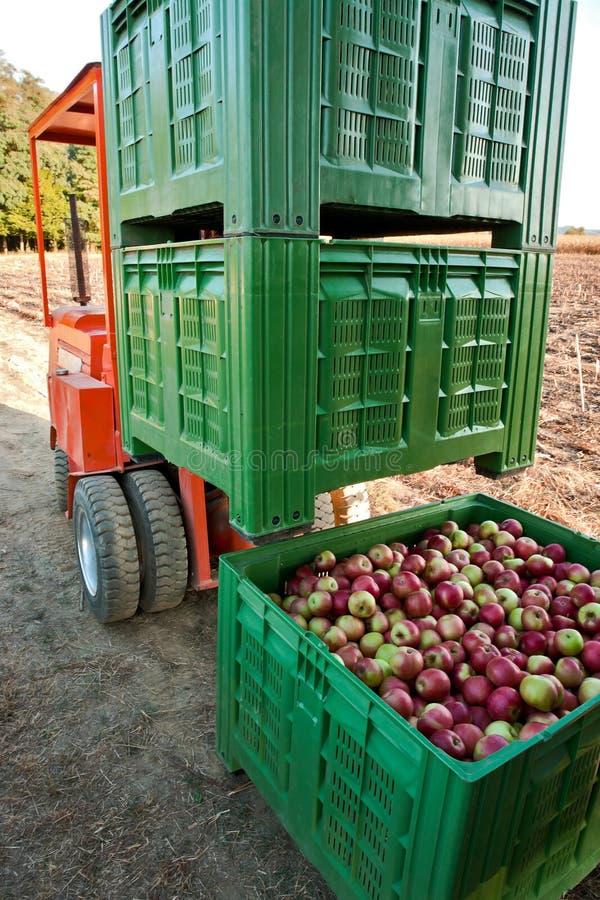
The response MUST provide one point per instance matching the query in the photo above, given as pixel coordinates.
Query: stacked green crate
(277, 365)
(396, 359)
(345, 116)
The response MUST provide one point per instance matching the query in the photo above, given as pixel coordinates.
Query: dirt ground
(109, 783)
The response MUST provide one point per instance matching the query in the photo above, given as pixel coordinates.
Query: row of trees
(63, 169)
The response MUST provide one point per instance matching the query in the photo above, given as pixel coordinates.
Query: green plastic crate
(346, 117)
(380, 811)
(280, 368)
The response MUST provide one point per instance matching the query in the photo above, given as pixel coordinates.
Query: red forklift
(144, 530)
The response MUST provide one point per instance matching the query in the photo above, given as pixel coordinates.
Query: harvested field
(109, 784)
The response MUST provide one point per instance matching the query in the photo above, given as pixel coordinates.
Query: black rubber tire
(102, 524)
(61, 478)
(160, 536)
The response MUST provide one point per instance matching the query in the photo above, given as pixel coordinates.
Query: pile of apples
(477, 637)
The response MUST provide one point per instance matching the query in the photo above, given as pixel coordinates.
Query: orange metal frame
(77, 117)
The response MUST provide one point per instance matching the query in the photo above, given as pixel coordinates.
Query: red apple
(370, 643)
(556, 552)
(535, 618)
(326, 583)
(438, 657)
(350, 654)
(539, 565)
(381, 556)
(513, 526)
(459, 558)
(535, 597)
(468, 611)
(559, 623)
(358, 564)
(460, 673)
(448, 594)
(320, 603)
(300, 606)
(366, 583)
(324, 561)
(369, 671)
(450, 627)
(307, 585)
(434, 717)
(590, 656)
(473, 639)
(480, 657)
(588, 689)
(405, 634)
(353, 627)
(577, 572)
(538, 691)
(540, 665)
(492, 614)
(432, 684)
(319, 625)
(503, 553)
(502, 671)
(568, 642)
(508, 579)
(532, 643)
(588, 617)
(400, 701)
(404, 583)
(389, 601)
(525, 547)
(488, 744)
(519, 659)
(459, 710)
(476, 690)
(531, 729)
(569, 671)
(414, 563)
(339, 601)
(418, 603)
(383, 580)
(362, 604)
(469, 735)
(504, 703)
(506, 636)
(406, 663)
(335, 637)
(450, 742)
(436, 570)
(562, 606)
(480, 716)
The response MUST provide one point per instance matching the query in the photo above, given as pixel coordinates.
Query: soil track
(109, 783)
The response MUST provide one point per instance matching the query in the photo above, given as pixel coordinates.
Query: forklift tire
(106, 549)
(160, 537)
(61, 478)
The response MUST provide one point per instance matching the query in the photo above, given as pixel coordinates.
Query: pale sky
(54, 40)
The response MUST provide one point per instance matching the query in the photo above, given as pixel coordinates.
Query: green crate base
(379, 810)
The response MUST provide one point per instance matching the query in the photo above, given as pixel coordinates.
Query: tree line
(63, 169)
